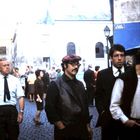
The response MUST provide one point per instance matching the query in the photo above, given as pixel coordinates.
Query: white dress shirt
(116, 72)
(115, 109)
(15, 89)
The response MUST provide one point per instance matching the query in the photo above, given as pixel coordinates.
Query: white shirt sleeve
(115, 109)
(19, 90)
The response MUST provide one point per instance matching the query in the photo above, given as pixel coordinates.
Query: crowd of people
(66, 100)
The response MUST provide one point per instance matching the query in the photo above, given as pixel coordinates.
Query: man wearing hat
(66, 103)
(125, 101)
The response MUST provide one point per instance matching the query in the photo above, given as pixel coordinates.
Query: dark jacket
(63, 103)
(104, 85)
(89, 78)
(46, 80)
(39, 88)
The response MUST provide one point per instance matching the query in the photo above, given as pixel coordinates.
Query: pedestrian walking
(39, 92)
(31, 89)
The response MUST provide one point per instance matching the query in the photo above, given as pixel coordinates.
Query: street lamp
(107, 34)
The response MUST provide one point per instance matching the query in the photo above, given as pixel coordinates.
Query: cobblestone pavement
(29, 131)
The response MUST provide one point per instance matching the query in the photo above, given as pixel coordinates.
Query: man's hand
(90, 131)
(131, 123)
(20, 117)
(59, 125)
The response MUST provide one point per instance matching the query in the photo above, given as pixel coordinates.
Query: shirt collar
(2, 76)
(115, 71)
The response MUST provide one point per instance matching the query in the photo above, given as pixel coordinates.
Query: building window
(99, 50)
(3, 50)
(70, 48)
(47, 61)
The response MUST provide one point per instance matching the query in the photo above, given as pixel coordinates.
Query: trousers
(9, 127)
(72, 132)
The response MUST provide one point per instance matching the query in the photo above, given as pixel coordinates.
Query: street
(29, 131)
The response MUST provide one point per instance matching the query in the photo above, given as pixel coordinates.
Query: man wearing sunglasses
(66, 103)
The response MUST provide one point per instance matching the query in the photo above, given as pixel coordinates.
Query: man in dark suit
(104, 84)
(89, 79)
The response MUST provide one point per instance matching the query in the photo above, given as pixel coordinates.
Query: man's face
(41, 74)
(4, 67)
(118, 59)
(72, 69)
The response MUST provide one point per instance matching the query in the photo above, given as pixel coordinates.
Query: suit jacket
(89, 78)
(104, 85)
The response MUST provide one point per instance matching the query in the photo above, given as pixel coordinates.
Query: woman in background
(39, 91)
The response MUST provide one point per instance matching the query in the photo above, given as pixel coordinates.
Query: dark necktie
(6, 89)
(120, 72)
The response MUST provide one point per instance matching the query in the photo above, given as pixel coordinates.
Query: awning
(133, 51)
(128, 34)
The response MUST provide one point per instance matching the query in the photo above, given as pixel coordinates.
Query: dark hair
(116, 47)
(37, 72)
(62, 65)
(136, 58)
(97, 68)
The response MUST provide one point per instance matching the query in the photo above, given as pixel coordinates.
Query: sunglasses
(75, 64)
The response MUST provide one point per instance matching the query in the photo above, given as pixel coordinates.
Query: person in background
(22, 81)
(53, 74)
(58, 73)
(97, 68)
(15, 72)
(66, 104)
(46, 80)
(39, 92)
(89, 79)
(26, 82)
(104, 85)
(31, 79)
(125, 101)
(28, 71)
(10, 116)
